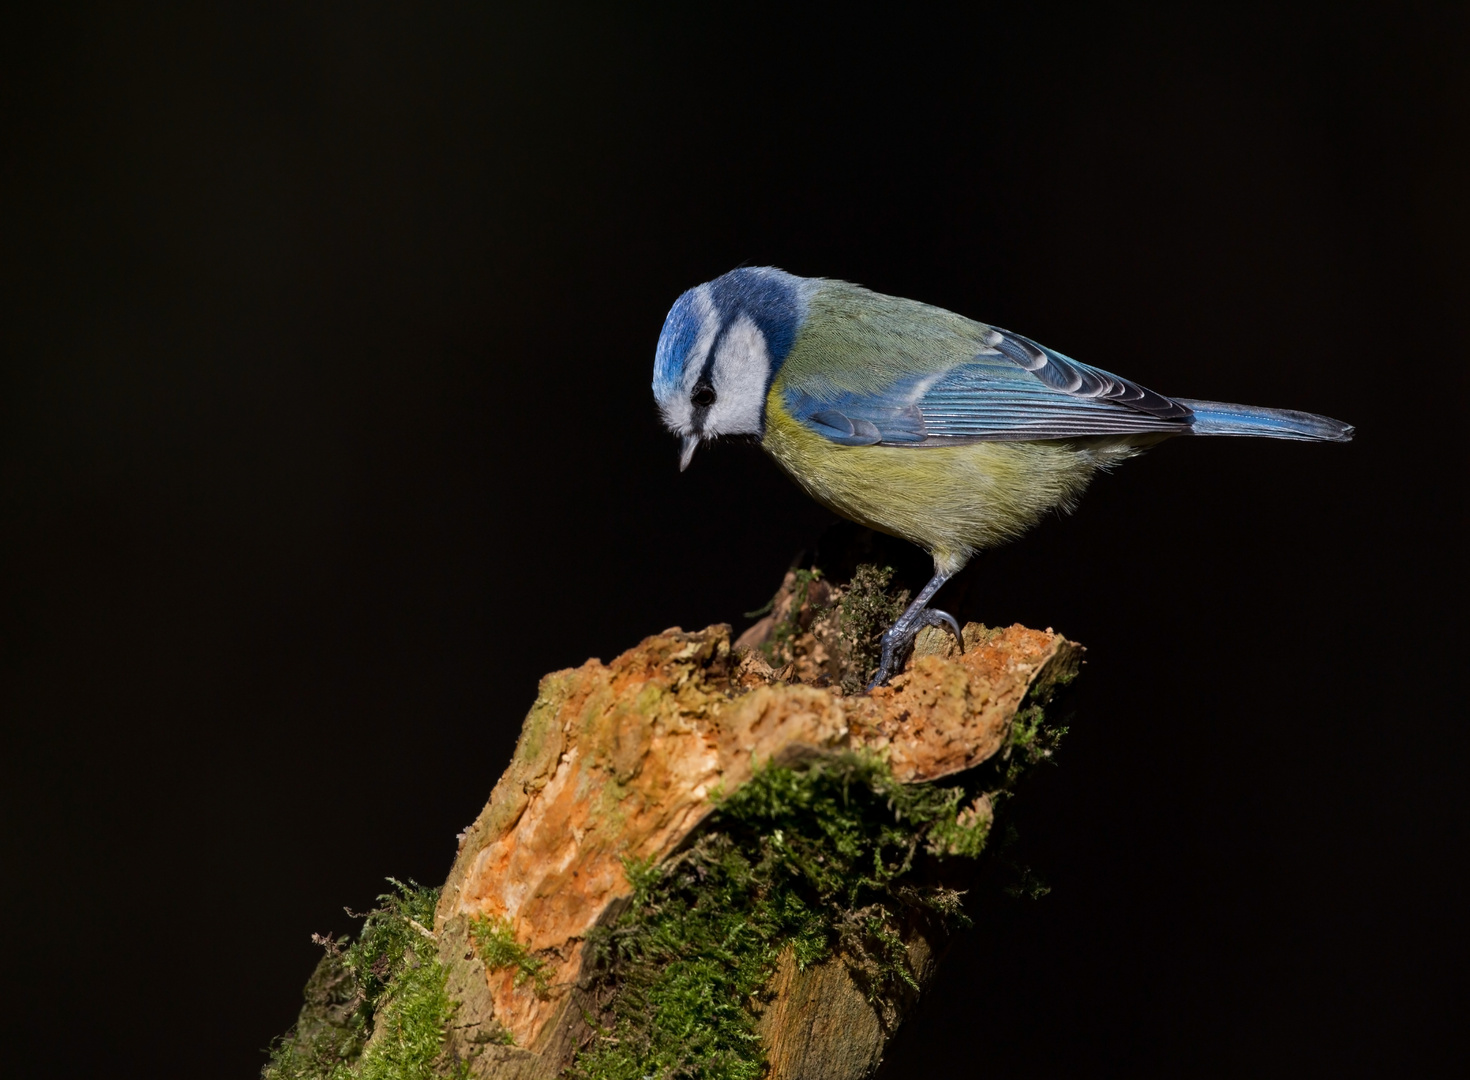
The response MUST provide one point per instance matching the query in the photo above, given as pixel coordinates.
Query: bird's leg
(900, 635)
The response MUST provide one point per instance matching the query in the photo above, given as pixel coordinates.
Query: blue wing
(1015, 389)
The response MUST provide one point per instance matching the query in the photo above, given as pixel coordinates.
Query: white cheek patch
(742, 369)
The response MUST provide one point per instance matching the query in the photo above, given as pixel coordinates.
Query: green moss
(1032, 741)
(778, 646)
(819, 860)
(762, 611)
(498, 949)
(376, 1008)
(866, 610)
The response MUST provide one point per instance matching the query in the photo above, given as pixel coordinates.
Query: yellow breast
(952, 500)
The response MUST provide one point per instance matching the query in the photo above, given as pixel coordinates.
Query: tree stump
(624, 800)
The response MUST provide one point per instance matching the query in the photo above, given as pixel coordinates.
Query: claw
(935, 617)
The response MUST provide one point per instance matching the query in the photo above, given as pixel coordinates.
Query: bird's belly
(952, 500)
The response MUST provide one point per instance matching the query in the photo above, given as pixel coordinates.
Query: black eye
(703, 396)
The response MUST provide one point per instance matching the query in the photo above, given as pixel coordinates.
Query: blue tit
(914, 421)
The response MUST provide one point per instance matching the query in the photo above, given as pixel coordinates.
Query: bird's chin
(686, 452)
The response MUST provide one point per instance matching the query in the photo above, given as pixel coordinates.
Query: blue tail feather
(1222, 418)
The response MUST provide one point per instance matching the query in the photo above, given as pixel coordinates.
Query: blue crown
(773, 299)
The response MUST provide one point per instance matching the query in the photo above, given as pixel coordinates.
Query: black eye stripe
(703, 394)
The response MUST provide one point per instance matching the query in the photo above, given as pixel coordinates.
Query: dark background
(326, 431)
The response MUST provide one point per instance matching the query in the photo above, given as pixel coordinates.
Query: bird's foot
(900, 638)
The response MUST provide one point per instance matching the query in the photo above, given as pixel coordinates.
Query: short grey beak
(686, 453)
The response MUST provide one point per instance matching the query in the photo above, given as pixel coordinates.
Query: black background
(326, 431)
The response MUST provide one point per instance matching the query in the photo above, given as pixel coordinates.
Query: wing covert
(1012, 389)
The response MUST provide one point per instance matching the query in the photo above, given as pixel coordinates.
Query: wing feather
(1012, 388)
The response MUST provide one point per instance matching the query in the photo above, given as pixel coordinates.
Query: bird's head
(721, 346)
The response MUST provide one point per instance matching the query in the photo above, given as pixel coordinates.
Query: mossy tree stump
(706, 859)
